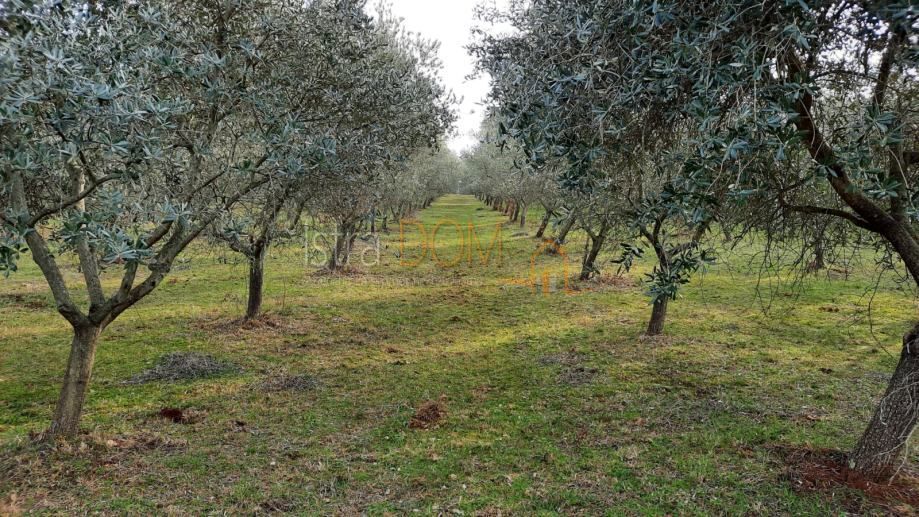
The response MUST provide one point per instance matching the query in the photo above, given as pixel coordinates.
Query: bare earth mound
(180, 366)
(428, 415)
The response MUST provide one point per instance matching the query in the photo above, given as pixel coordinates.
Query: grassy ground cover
(539, 401)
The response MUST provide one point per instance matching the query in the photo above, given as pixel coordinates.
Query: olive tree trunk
(566, 228)
(658, 316)
(659, 308)
(881, 448)
(341, 249)
(256, 281)
(819, 262)
(544, 224)
(588, 265)
(76, 381)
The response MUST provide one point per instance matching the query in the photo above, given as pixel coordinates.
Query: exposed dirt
(10, 506)
(549, 247)
(181, 416)
(44, 467)
(615, 281)
(428, 415)
(176, 415)
(825, 471)
(573, 373)
(267, 325)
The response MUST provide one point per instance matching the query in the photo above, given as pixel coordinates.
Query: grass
(554, 403)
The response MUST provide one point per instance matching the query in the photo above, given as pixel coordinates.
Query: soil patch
(615, 281)
(569, 358)
(428, 415)
(267, 325)
(181, 416)
(826, 471)
(573, 373)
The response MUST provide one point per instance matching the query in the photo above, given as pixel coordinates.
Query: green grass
(554, 402)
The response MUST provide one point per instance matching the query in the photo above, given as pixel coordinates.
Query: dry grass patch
(182, 366)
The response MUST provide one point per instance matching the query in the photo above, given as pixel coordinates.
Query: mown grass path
(552, 401)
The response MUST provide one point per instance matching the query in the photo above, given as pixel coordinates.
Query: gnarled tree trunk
(659, 309)
(658, 316)
(341, 250)
(881, 447)
(66, 420)
(566, 228)
(543, 225)
(588, 265)
(256, 281)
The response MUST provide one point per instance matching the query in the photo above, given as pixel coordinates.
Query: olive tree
(398, 107)
(752, 84)
(361, 71)
(126, 130)
(505, 180)
(623, 178)
(426, 175)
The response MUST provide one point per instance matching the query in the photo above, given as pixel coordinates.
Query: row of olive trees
(127, 129)
(349, 206)
(394, 108)
(790, 119)
(611, 206)
(488, 175)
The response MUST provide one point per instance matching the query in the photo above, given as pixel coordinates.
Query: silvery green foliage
(377, 100)
(498, 168)
(128, 129)
(427, 174)
(77, 98)
(550, 110)
(791, 106)
(396, 106)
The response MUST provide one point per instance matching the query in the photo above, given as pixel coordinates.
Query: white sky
(450, 22)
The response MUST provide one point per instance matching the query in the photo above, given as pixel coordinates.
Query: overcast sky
(450, 21)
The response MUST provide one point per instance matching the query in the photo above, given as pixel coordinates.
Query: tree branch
(819, 210)
(67, 203)
(821, 152)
